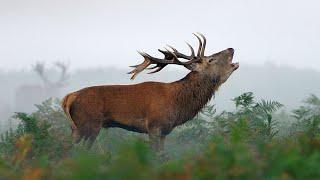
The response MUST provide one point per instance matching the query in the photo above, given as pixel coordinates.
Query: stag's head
(218, 66)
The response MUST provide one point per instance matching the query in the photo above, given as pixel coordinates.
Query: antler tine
(159, 68)
(150, 68)
(155, 60)
(180, 55)
(166, 54)
(148, 60)
(203, 45)
(174, 49)
(172, 53)
(192, 50)
(200, 45)
(140, 67)
(175, 59)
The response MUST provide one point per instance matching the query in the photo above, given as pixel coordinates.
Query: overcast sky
(92, 33)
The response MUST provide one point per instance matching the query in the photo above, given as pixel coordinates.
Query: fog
(108, 33)
(276, 43)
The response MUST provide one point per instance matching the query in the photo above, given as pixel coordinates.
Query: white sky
(91, 33)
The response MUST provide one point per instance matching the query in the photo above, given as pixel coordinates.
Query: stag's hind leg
(75, 135)
(89, 132)
(87, 127)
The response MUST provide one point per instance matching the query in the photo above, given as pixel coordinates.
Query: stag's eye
(210, 60)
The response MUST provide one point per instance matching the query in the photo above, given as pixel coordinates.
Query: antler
(170, 57)
(159, 63)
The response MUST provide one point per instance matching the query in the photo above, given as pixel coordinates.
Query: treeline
(255, 141)
(284, 84)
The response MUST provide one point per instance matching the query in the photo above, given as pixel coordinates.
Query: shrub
(243, 144)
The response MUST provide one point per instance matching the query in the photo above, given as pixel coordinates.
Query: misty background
(276, 43)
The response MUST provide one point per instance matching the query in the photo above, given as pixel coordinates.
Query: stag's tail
(66, 106)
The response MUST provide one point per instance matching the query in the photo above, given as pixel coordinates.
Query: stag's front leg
(162, 140)
(155, 139)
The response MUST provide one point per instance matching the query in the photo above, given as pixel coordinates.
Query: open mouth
(231, 53)
(235, 66)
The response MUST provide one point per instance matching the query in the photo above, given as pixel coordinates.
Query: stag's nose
(230, 50)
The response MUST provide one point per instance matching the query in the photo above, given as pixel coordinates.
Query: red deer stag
(154, 108)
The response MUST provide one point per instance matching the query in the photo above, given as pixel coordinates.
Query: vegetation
(251, 142)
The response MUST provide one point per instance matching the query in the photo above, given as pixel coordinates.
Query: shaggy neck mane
(193, 93)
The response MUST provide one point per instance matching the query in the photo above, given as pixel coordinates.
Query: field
(259, 140)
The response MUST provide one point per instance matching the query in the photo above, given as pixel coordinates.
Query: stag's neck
(193, 92)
